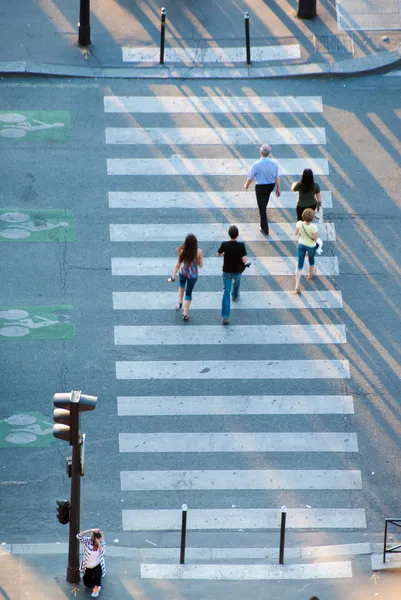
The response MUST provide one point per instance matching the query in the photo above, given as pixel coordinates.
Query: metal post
(385, 540)
(247, 39)
(162, 33)
(183, 533)
(282, 534)
(73, 548)
(84, 30)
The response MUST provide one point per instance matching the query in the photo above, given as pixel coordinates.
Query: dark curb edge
(380, 62)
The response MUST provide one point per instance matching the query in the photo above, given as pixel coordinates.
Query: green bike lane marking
(35, 125)
(26, 323)
(26, 429)
(36, 225)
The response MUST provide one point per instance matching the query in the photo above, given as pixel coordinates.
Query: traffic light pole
(73, 547)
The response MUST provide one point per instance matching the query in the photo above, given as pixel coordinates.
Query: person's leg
(301, 260)
(188, 296)
(181, 289)
(237, 283)
(88, 578)
(96, 580)
(225, 304)
(262, 206)
(300, 210)
(311, 257)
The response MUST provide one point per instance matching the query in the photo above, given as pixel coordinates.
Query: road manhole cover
(333, 44)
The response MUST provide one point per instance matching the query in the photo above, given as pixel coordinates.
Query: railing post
(183, 533)
(385, 540)
(162, 33)
(247, 39)
(282, 534)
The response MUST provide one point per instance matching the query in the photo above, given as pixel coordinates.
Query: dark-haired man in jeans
(234, 253)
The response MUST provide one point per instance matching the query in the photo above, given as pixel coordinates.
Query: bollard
(282, 534)
(84, 30)
(306, 9)
(247, 39)
(183, 533)
(162, 34)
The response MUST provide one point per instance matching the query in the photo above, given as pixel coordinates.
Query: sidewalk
(41, 38)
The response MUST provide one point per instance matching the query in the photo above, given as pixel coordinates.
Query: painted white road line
(238, 442)
(151, 406)
(177, 165)
(157, 200)
(261, 266)
(212, 300)
(324, 570)
(233, 369)
(393, 74)
(210, 232)
(177, 335)
(210, 54)
(213, 104)
(248, 518)
(132, 481)
(230, 136)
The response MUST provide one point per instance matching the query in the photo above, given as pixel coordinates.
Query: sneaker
(226, 321)
(264, 232)
(234, 299)
(96, 591)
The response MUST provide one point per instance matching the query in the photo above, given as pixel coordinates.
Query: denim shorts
(302, 250)
(188, 283)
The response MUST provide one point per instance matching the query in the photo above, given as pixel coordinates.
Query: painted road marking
(36, 225)
(210, 54)
(177, 165)
(213, 104)
(151, 406)
(35, 323)
(247, 518)
(233, 369)
(324, 570)
(212, 300)
(35, 125)
(239, 136)
(260, 266)
(190, 200)
(132, 481)
(210, 232)
(238, 442)
(173, 335)
(23, 430)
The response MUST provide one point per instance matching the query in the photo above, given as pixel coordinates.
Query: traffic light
(63, 511)
(66, 414)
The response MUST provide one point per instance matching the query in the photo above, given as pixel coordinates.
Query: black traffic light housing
(63, 511)
(66, 414)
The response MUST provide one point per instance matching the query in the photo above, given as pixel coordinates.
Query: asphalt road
(361, 118)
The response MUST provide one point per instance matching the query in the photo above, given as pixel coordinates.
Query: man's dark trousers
(263, 191)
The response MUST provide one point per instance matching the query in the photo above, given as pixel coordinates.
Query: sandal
(185, 318)
(297, 290)
(178, 306)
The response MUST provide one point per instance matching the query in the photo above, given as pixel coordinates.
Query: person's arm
(176, 269)
(220, 251)
(319, 199)
(247, 183)
(244, 257)
(199, 258)
(278, 187)
(294, 187)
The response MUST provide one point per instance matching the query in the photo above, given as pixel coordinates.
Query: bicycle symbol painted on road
(36, 225)
(35, 323)
(26, 429)
(36, 125)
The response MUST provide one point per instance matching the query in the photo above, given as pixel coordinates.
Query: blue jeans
(302, 250)
(190, 284)
(228, 279)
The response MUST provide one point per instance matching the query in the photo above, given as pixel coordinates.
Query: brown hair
(188, 251)
(308, 215)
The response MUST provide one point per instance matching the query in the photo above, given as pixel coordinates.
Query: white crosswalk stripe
(213, 104)
(219, 135)
(173, 335)
(159, 427)
(210, 232)
(212, 300)
(134, 406)
(178, 165)
(233, 369)
(210, 54)
(261, 266)
(190, 200)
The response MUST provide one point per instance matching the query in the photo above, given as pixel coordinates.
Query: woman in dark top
(308, 193)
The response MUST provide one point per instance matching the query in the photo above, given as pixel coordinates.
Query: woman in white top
(308, 234)
(93, 565)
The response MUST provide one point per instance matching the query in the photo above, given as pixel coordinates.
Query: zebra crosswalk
(190, 393)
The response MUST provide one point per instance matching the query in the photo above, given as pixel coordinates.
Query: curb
(380, 62)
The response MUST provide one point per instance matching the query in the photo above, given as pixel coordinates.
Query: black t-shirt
(233, 253)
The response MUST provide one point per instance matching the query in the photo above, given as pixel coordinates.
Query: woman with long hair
(93, 565)
(308, 233)
(190, 260)
(308, 193)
